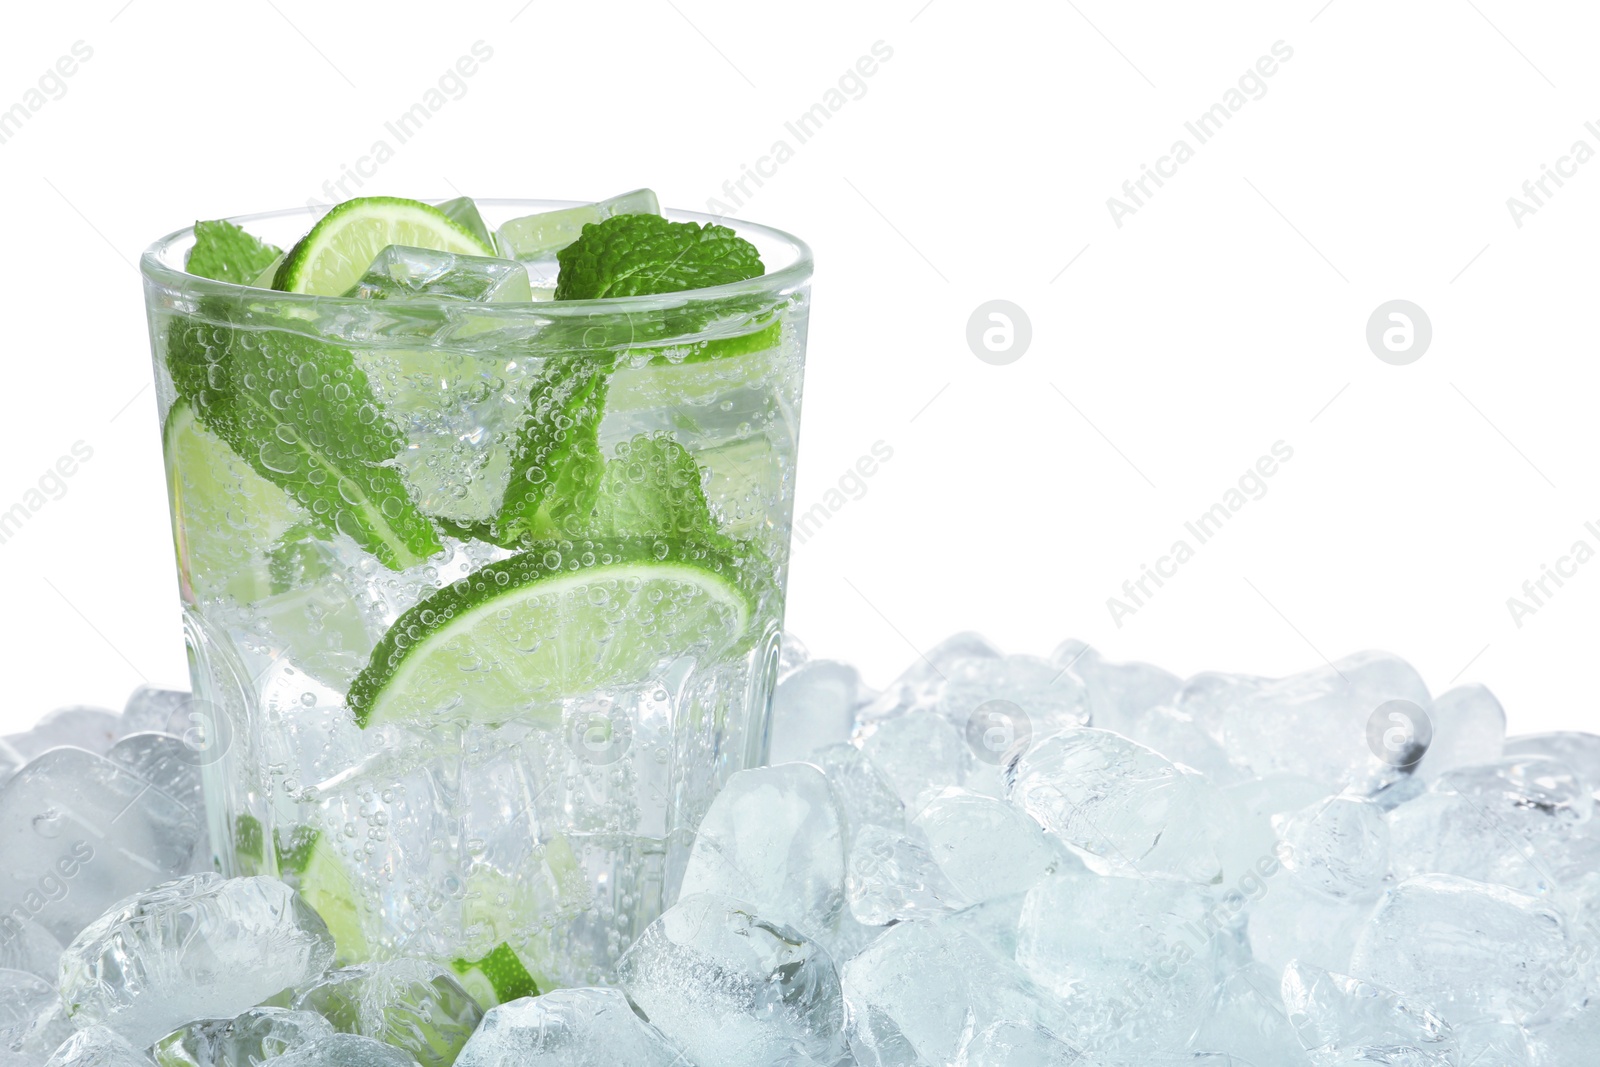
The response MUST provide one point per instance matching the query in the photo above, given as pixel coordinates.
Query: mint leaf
(301, 413)
(504, 972)
(641, 255)
(651, 488)
(225, 253)
(555, 461)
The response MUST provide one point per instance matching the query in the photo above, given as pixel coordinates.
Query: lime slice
(696, 373)
(312, 867)
(345, 241)
(512, 639)
(225, 516)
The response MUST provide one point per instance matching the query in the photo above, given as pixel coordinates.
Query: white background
(1227, 314)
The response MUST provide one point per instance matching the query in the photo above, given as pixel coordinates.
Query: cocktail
(482, 520)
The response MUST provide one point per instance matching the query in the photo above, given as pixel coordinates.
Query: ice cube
(1249, 1020)
(1466, 949)
(1502, 1044)
(80, 833)
(167, 763)
(1314, 724)
(1178, 737)
(463, 211)
(985, 847)
(1580, 751)
(1252, 810)
(1569, 1040)
(345, 1050)
(919, 754)
(1292, 920)
(533, 237)
(864, 795)
(1469, 727)
(815, 706)
(1008, 1044)
(922, 683)
(1118, 693)
(400, 273)
(27, 946)
(893, 877)
(92, 729)
(1503, 822)
(96, 1046)
(773, 839)
(1343, 1020)
(1339, 846)
(153, 710)
(568, 1028)
(251, 1039)
(1134, 960)
(410, 1004)
(1122, 807)
(731, 989)
(11, 761)
(923, 988)
(33, 1021)
(1049, 697)
(198, 947)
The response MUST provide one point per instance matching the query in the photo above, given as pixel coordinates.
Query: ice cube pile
(999, 861)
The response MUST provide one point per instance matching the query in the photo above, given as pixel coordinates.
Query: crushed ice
(999, 861)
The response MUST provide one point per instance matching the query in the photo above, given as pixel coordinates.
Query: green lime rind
(758, 340)
(344, 242)
(502, 971)
(512, 639)
(646, 255)
(302, 414)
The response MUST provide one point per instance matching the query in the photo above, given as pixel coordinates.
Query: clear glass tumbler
(478, 741)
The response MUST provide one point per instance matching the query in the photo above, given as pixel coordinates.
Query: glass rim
(796, 272)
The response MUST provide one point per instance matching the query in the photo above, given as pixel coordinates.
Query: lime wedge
(683, 376)
(225, 516)
(512, 639)
(321, 879)
(345, 241)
